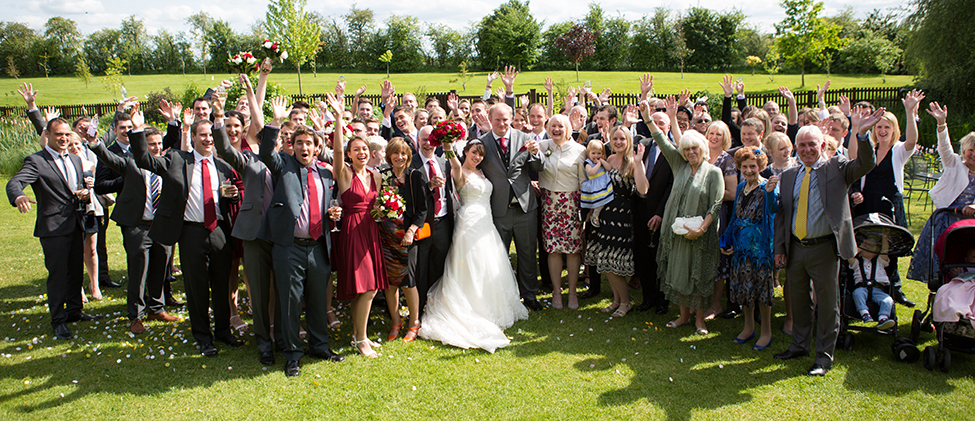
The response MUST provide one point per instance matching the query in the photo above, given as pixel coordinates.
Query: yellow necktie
(802, 206)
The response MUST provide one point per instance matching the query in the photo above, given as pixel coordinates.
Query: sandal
(371, 354)
(622, 310)
(394, 332)
(411, 334)
(557, 300)
(673, 323)
(333, 321)
(611, 308)
(238, 324)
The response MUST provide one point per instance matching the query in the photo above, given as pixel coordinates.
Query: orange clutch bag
(423, 232)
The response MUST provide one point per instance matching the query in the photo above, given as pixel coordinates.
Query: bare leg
(360, 318)
(234, 283)
(555, 272)
(621, 291)
(716, 304)
(412, 303)
(685, 316)
(91, 265)
(392, 303)
(766, 336)
(749, 328)
(572, 261)
(699, 323)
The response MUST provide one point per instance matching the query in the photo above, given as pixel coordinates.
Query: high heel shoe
(334, 321)
(758, 347)
(557, 300)
(371, 354)
(411, 333)
(238, 324)
(742, 341)
(394, 332)
(611, 308)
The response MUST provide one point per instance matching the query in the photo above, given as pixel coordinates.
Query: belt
(514, 204)
(305, 242)
(146, 223)
(437, 220)
(809, 242)
(193, 224)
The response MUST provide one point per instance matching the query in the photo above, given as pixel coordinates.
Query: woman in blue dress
(748, 240)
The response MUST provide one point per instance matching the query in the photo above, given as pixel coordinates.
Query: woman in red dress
(361, 271)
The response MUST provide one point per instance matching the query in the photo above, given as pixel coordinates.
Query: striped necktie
(155, 187)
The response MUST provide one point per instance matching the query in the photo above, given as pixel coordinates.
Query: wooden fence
(879, 97)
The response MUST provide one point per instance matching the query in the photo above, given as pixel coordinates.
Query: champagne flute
(335, 203)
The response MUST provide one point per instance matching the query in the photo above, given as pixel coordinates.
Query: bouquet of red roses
(391, 204)
(447, 131)
(330, 132)
(273, 50)
(242, 62)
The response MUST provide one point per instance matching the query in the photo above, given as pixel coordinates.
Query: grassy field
(561, 364)
(70, 90)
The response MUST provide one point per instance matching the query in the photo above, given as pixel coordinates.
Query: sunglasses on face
(703, 121)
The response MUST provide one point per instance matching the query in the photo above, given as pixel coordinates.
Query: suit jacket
(250, 218)
(509, 180)
(414, 195)
(834, 179)
(422, 173)
(131, 202)
(107, 179)
(661, 181)
(291, 180)
(176, 167)
(57, 206)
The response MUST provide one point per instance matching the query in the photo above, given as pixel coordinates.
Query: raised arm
(262, 84)
(550, 86)
(343, 174)
(821, 94)
(911, 103)
(790, 98)
(460, 179)
(140, 149)
(671, 105)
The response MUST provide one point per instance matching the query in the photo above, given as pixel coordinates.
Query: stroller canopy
(871, 229)
(953, 244)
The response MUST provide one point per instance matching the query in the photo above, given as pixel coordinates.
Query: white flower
(268, 44)
(284, 55)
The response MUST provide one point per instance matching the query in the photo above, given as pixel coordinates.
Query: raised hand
(386, 90)
(867, 121)
(684, 96)
(549, 84)
(27, 91)
(500, 93)
(640, 150)
(50, 113)
(138, 118)
(170, 110)
(740, 87)
(821, 90)
(340, 88)
(491, 77)
(336, 105)
(646, 84)
(317, 120)
(266, 66)
(671, 105)
(912, 100)
(452, 101)
(508, 78)
(570, 96)
(789, 96)
(126, 103)
(187, 118)
(631, 115)
(938, 112)
(279, 110)
(604, 96)
(225, 84)
(727, 85)
(523, 101)
(845, 105)
(217, 105)
(360, 91)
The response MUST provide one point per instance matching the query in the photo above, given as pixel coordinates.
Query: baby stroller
(951, 250)
(870, 231)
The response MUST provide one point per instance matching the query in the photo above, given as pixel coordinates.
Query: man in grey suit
(513, 202)
(147, 260)
(812, 226)
(56, 178)
(295, 224)
(258, 188)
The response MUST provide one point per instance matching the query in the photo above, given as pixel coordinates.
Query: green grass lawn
(70, 90)
(561, 364)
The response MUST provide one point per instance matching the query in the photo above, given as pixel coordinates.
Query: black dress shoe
(108, 283)
(534, 305)
(231, 340)
(61, 331)
(729, 314)
(267, 358)
(590, 293)
(172, 302)
(901, 299)
(84, 317)
(788, 355)
(327, 355)
(817, 370)
(292, 369)
(643, 307)
(662, 309)
(208, 350)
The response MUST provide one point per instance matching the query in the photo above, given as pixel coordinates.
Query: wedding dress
(477, 297)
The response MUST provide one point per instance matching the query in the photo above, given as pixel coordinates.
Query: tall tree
(287, 22)
(945, 64)
(803, 34)
(15, 39)
(712, 37)
(200, 26)
(652, 39)
(551, 58)
(360, 26)
(100, 46)
(134, 39)
(509, 35)
(64, 36)
(680, 51)
(449, 46)
(577, 43)
(402, 36)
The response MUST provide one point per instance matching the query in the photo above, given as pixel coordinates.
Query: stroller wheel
(905, 351)
(945, 360)
(847, 342)
(929, 357)
(916, 325)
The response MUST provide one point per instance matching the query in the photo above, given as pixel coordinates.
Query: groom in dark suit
(56, 178)
(647, 216)
(427, 256)
(513, 203)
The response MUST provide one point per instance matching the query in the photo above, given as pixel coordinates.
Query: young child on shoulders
(597, 190)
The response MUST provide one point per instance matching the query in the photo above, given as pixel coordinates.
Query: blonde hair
(725, 133)
(895, 129)
(626, 165)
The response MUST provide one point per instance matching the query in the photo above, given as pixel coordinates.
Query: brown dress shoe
(162, 316)
(136, 327)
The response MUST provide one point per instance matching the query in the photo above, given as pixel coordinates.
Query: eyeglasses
(703, 121)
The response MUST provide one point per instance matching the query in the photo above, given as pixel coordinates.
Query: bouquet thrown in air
(273, 50)
(447, 131)
(242, 62)
(330, 132)
(390, 204)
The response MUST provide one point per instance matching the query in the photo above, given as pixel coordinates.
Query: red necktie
(209, 208)
(504, 146)
(314, 209)
(436, 191)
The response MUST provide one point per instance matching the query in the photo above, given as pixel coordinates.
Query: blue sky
(92, 15)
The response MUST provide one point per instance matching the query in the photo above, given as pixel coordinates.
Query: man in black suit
(295, 224)
(147, 260)
(189, 213)
(513, 202)
(427, 256)
(56, 178)
(647, 215)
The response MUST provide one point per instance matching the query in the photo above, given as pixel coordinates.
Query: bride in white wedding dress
(477, 297)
